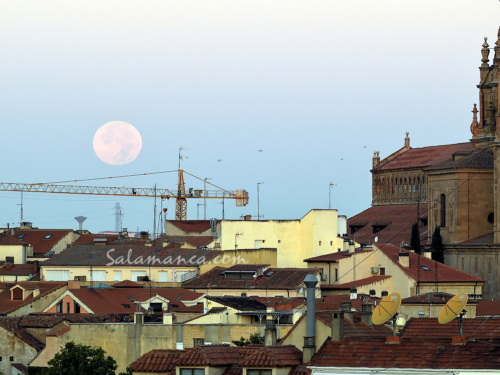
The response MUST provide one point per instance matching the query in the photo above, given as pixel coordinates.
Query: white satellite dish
(376, 239)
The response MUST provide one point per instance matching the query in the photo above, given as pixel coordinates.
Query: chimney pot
(404, 259)
(338, 325)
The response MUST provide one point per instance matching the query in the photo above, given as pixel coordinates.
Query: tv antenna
(386, 310)
(454, 310)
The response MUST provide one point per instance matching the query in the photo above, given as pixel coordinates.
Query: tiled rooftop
(478, 159)
(210, 355)
(89, 238)
(429, 328)
(158, 360)
(19, 270)
(400, 216)
(191, 226)
(37, 238)
(485, 239)
(361, 282)
(7, 305)
(432, 297)
(442, 272)
(415, 354)
(196, 241)
(282, 278)
(424, 156)
(90, 255)
(239, 303)
(11, 324)
(488, 308)
(7, 240)
(335, 257)
(274, 356)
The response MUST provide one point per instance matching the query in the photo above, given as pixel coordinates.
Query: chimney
(338, 325)
(138, 322)
(73, 284)
(247, 217)
(35, 267)
(36, 293)
(243, 294)
(346, 244)
(376, 158)
(167, 318)
(8, 265)
(404, 259)
(366, 313)
(352, 246)
(26, 225)
(310, 339)
(12, 231)
(144, 235)
(270, 337)
(407, 140)
(346, 308)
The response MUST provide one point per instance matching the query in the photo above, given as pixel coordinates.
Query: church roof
(424, 157)
(479, 159)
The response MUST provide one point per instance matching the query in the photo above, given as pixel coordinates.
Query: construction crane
(241, 196)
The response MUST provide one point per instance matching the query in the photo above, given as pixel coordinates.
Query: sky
(316, 85)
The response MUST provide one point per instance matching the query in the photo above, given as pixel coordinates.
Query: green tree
(76, 359)
(437, 246)
(241, 342)
(415, 238)
(254, 339)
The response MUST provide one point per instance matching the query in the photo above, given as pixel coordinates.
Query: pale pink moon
(117, 143)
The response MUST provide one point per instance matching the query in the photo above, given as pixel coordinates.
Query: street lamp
(330, 195)
(258, 202)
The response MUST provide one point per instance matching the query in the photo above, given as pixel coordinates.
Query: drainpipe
(310, 339)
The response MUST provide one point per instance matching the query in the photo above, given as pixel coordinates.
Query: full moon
(117, 143)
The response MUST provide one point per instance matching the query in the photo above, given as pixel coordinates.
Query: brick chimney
(270, 336)
(366, 313)
(247, 217)
(346, 308)
(338, 325)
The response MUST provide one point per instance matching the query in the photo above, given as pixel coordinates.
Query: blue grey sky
(316, 85)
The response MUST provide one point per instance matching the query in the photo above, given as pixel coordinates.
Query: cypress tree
(437, 246)
(415, 238)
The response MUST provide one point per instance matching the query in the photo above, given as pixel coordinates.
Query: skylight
(425, 268)
(21, 236)
(47, 236)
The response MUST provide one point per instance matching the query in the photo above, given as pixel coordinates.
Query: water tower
(80, 220)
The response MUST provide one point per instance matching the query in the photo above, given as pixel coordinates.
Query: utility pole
(198, 210)
(258, 201)
(330, 195)
(205, 200)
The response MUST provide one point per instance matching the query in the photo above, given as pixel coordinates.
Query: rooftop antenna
(154, 216)
(205, 200)
(454, 310)
(22, 216)
(386, 310)
(118, 218)
(80, 220)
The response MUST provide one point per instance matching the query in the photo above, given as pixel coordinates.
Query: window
(97, 275)
(257, 244)
(489, 265)
(382, 271)
(192, 371)
(179, 274)
(319, 243)
(279, 241)
(67, 308)
(425, 268)
(336, 274)
(443, 210)
(11, 358)
(117, 275)
(157, 307)
(260, 372)
(57, 275)
(77, 308)
(463, 266)
(475, 264)
(9, 260)
(17, 294)
(21, 236)
(331, 243)
(47, 236)
(136, 274)
(0, 359)
(163, 276)
(59, 308)
(491, 218)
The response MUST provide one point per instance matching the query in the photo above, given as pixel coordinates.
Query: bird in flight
(219, 160)
(260, 150)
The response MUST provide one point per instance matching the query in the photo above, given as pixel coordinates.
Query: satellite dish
(376, 239)
(454, 309)
(386, 309)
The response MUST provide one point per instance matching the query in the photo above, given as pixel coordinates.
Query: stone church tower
(493, 121)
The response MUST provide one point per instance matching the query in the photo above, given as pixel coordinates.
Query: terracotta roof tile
(282, 278)
(429, 328)
(49, 320)
(444, 273)
(277, 302)
(89, 238)
(335, 257)
(158, 360)
(274, 356)
(19, 269)
(424, 156)
(20, 367)
(233, 370)
(361, 282)
(401, 218)
(36, 238)
(239, 303)
(8, 305)
(488, 308)
(127, 284)
(478, 159)
(425, 354)
(59, 332)
(485, 239)
(196, 241)
(431, 297)
(7, 240)
(210, 355)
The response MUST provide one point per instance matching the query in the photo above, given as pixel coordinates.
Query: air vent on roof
(270, 273)
(21, 236)
(425, 268)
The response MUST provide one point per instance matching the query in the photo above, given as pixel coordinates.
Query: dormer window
(240, 275)
(21, 236)
(47, 236)
(377, 227)
(17, 294)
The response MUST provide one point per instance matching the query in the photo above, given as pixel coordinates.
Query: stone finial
(376, 158)
(407, 140)
(474, 127)
(485, 52)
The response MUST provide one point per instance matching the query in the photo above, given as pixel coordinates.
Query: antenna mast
(118, 217)
(181, 203)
